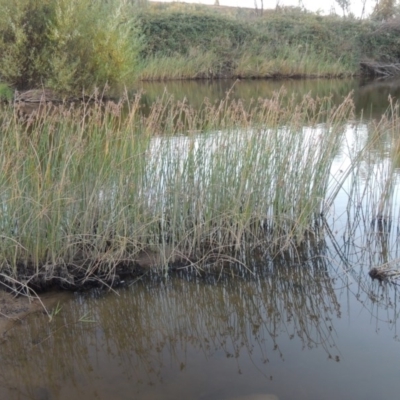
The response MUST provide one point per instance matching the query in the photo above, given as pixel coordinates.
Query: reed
(86, 190)
(195, 65)
(291, 61)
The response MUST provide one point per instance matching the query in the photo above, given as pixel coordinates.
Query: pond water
(308, 324)
(370, 97)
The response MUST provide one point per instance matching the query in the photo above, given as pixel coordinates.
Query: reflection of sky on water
(365, 214)
(212, 161)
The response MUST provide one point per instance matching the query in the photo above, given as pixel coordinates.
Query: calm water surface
(303, 331)
(370, 97)
(307, 325)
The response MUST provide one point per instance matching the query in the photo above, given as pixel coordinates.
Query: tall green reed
(99, 185)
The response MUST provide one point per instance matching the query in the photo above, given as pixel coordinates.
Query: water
(299, 332)
(308, 324)
(370, 97)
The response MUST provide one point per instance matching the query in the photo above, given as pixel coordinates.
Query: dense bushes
(179, 32)
(382, 41)
(242, 46)
(208, 40)
(66, 44)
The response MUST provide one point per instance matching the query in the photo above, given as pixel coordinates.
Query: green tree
(384, 10)
(344, 5)
(259, 8)
(66, 44)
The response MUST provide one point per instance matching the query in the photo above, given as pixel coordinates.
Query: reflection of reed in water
(158, 324)
(369, 237)
(369, 240)
(379, 299)
(36, 362)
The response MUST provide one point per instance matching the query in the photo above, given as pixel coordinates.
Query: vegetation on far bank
(76, 45)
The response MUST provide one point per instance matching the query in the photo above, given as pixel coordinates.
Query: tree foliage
(344, 5)
(384, 10)
(66, 44)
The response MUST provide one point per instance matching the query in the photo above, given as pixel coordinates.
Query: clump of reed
(95, 187)
(195, 65)
(291, 61)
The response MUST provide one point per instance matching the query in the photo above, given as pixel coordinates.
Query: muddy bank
(87, 273)
(40, 290)
(68, 277)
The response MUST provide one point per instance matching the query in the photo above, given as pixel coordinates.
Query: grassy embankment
(74, 45)
(191, 41)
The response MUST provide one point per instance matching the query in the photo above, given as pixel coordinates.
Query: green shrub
(6, 93)
(24, 57)
(381, 41)
(66, 44)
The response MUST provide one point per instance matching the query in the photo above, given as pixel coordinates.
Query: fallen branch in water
(385, 70)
